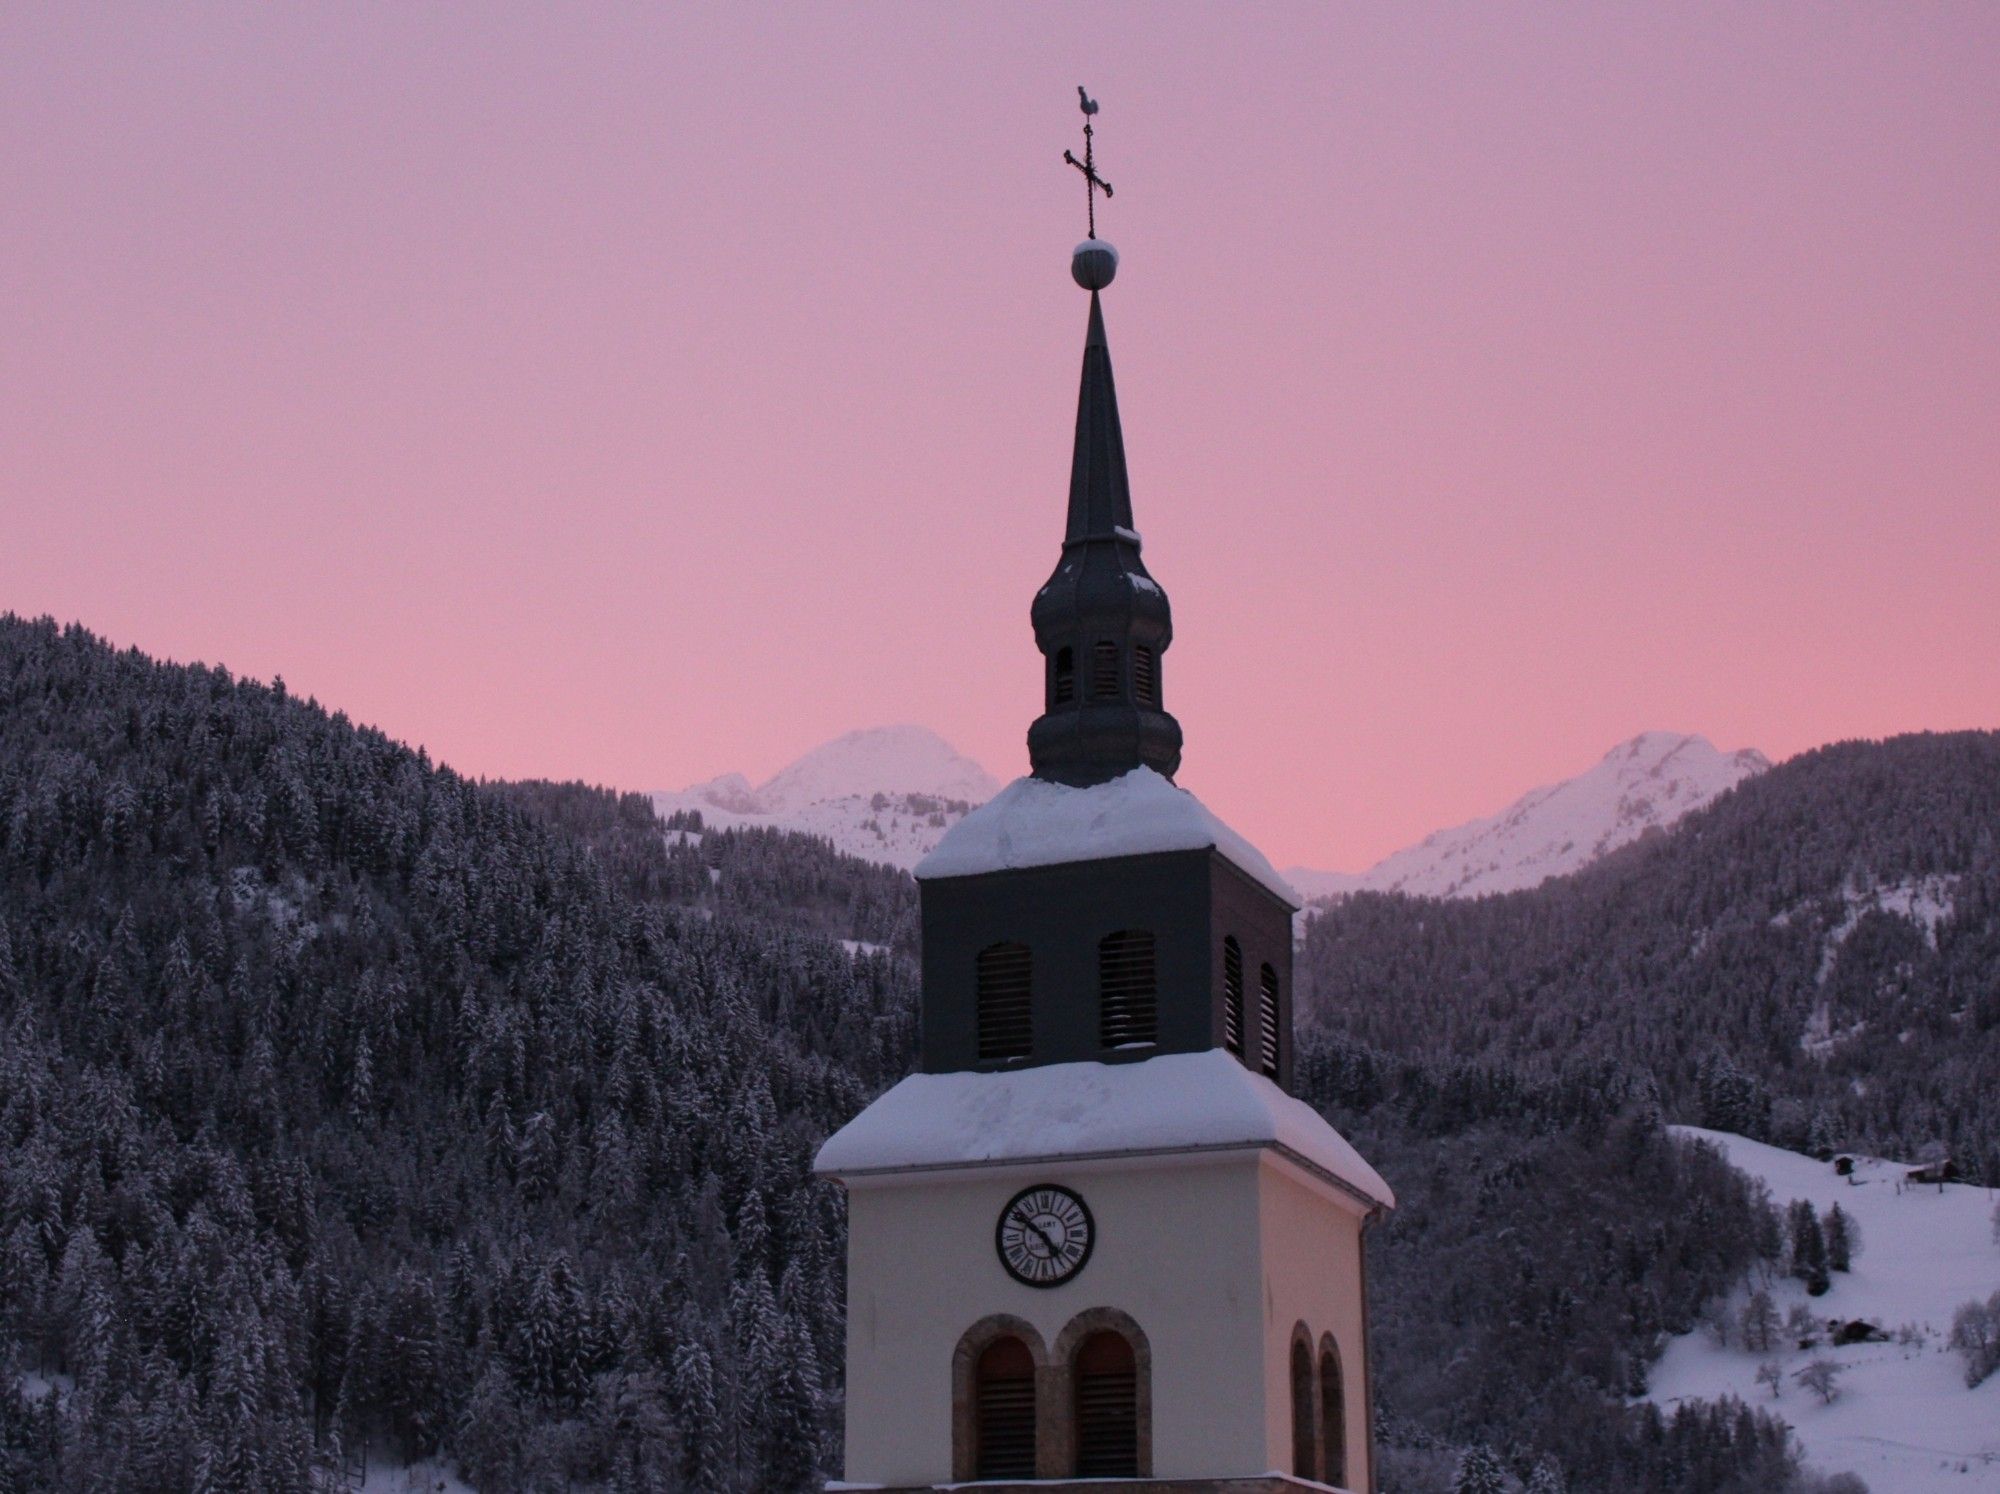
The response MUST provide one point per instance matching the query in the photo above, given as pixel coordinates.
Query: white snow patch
(1645, 784)
(860, 947)
(1036, 823)
(36, 1383)
(430, 1476)
(1904, 1420)
(1821, 1037)
(1924, 901)
(1174, 1102)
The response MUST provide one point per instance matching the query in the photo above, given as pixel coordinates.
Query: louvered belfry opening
(1127, 989)
(1267, 1010)
(1145, 676)
(1004, 1411)
(1104, 671)
(1004, 978)
(1232, 995)
(1333, 1417)
(1107, 1408)
(1063, 689)
(1303, 1461)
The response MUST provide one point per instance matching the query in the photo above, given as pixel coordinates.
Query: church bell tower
(1095, 1237)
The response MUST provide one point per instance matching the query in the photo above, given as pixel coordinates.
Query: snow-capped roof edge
(1035, 823)
(1052, 1159)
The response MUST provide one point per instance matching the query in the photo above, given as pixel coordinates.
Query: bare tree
(1771, 1373)
(1822, 1378)
(1761, 1324)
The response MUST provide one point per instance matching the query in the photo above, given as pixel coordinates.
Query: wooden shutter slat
(1128, 989)
(1232, 996)
(1267, 1038)
(1004, 977)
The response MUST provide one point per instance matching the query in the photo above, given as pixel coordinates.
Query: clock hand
(1043, 1235)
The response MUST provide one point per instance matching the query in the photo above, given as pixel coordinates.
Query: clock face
(1044, 1235)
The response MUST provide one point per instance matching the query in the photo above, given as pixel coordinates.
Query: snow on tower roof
(1067, 1112)
(1033, 822)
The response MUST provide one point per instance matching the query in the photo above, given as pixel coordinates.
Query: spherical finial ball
(1094, 264)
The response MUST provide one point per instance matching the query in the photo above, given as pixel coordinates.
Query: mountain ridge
(1644, 784)
(1806, 961)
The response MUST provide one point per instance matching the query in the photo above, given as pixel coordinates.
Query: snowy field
(1903, 1420)
(427, 1477)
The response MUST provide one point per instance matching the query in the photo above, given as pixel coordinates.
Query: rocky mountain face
(1641, 786)
(886, 794)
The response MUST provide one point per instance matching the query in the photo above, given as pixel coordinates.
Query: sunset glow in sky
(636, 394)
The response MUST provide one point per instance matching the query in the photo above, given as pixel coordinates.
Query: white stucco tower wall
(1227, 1216)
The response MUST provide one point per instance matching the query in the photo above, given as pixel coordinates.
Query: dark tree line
(756, 873)
(1743, 961)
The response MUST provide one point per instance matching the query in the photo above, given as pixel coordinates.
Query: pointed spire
(1102, 622)
(1100, 499)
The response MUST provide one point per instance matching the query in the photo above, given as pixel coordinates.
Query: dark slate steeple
(1102, 623)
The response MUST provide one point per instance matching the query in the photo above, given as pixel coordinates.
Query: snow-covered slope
(887, 794)
(1903, 1419)
(1646, 783)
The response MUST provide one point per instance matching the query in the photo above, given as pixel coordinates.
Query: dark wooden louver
(1232, 995)
(1127, 989)
(1104, 671)
(1004, 1391)
(1107, 1408)
(1267, 1011)
(1064, 690)
(1145, 684)
(1005, 980)
(1304, 1461)
(1333, 1419)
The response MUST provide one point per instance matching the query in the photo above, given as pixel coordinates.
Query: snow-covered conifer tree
(1479, 1472)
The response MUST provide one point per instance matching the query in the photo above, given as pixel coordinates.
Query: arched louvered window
(1333, 1414)
(1003, 1390)
(1004, 976)
(1232, 995)
(1267, 1025)
(1127, 989)
(1107, 1407)
(1304, 1462)
(1145, 675)
(1062, 686)
(1104, 671)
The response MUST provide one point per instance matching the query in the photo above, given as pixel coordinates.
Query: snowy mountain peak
(1644, 784)
(881, 759)
(886, 793)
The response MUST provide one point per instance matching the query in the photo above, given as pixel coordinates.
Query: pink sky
(638, 394)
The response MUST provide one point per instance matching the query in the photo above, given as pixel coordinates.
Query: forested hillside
(346, 1104)
(340, 1100)
(1814, 959)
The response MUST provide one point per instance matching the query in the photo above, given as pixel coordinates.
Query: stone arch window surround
(1062, 1425)
(976, 1340)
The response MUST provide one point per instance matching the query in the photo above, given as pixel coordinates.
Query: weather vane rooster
(1092, 182)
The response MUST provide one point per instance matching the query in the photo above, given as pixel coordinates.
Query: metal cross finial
(1092, 182)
